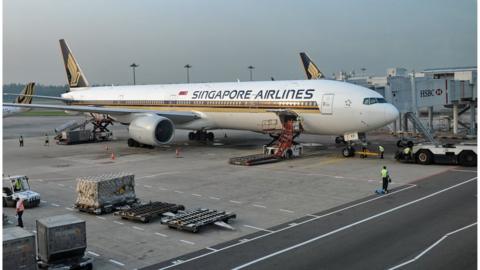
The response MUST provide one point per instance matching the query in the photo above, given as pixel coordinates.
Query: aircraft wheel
(131, 142)
(348, 151)
(191, 136)
(201, 136)
(210, 136)
(424, 157)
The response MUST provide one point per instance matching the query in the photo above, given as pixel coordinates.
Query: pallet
(251, 160)
(147, 212)
(194, 220)
(105, 209)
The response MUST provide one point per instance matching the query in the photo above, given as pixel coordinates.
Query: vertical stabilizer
(25, 96)
(75, 76)
(311, 69)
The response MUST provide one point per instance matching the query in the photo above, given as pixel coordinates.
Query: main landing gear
(201, 135)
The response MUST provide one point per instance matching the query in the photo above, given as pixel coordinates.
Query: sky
(220, 39)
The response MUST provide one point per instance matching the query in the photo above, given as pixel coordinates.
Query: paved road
(430, 224)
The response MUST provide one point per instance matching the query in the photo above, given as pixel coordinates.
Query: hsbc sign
(430, 92)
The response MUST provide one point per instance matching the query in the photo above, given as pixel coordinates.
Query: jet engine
(151, 130)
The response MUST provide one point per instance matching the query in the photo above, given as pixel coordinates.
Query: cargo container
(18, 249)
(105, 192)
(75, 136)
(61, 238)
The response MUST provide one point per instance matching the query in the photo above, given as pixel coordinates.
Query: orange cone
(113, 156)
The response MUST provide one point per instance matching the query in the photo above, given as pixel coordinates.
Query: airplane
(311, 70)
(25, 97)
(153, 112)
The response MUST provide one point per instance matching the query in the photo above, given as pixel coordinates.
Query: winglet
(75, 76)
(311, 69)
(25, 96)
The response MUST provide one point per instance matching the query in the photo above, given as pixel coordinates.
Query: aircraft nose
(391, 113)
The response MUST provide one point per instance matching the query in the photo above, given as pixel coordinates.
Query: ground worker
(20, 141)
(385, 178)
(364, 149)
(20, 208)
(381, 150)
(406, 152)
(46, 140)
(18, 185)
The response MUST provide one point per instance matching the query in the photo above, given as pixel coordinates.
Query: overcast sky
(221, 38)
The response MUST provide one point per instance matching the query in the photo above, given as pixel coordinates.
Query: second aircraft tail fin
(311, 69)
(75, 76)
(25, 96)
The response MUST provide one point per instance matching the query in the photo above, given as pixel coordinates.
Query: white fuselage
(9, 111)
(325, 107)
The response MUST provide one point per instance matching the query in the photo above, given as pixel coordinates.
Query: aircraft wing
(176, 117)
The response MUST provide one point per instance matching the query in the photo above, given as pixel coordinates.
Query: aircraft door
(327, 104)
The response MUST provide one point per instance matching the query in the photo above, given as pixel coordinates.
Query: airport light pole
(251, 68)
(187, 66)
(133, 66)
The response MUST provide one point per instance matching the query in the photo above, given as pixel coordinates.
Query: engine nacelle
(151, 130)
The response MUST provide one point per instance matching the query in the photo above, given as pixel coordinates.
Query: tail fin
(311, 69)
(25, 96)
(75, 76)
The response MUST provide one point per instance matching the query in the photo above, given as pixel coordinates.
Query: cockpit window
(370, 101)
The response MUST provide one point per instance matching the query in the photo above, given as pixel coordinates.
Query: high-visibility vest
(380, 148)
(18, 185)
(406, 151)
(20, 206)
(384, 173)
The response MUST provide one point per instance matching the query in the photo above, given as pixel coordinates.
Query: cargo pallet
(83, 263)
(147, 212)
(251, 160)
(194, 220)
(105, 209)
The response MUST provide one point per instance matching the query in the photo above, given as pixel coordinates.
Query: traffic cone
(177, 152)
(113, 156)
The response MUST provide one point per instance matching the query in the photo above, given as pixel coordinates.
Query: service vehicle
(464, 154)
(17, 186)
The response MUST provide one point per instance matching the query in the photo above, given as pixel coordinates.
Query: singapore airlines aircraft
(153, 112)
(25, 97)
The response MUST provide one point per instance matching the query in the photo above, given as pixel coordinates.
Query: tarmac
(265, 198)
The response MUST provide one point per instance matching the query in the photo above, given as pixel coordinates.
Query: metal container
(61, 237)
(18, 249)
(108, 189)
(76, 136)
